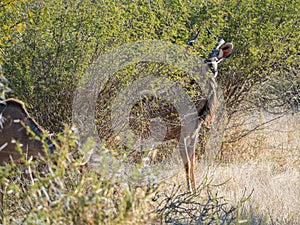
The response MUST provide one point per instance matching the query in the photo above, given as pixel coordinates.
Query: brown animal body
(206, 109)
(18, 128)
(206, 112)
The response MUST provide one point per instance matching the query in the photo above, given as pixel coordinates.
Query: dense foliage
(47, 45)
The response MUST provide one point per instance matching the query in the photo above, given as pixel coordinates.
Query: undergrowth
(62, 188)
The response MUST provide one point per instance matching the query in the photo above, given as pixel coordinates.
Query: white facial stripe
(2, 121)
(3, 146)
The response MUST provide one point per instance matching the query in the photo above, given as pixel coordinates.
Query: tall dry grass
(259, 186)
(264, 165)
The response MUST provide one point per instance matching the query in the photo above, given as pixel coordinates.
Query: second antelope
(18, 128)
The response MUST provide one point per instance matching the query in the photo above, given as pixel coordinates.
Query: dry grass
(275, 198)
(268, 166)
(269, 174)
(273, 173)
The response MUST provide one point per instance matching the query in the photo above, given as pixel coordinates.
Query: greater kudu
(206, 112)
(206, 109)
(17, 128)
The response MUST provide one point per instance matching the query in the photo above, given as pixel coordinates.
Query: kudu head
(218, 54)
(17, 128)
(207, 108)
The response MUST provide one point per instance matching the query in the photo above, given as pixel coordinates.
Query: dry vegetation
(46, 48)
(267, 162)
(262, 188)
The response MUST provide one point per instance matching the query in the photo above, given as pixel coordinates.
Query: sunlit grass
(66, 189)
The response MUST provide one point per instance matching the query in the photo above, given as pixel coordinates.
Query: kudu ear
(225, 51)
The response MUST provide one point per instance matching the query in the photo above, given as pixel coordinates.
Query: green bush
(47, 46)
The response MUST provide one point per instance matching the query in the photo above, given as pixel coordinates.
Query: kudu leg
(187, 152)
(190, 173)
